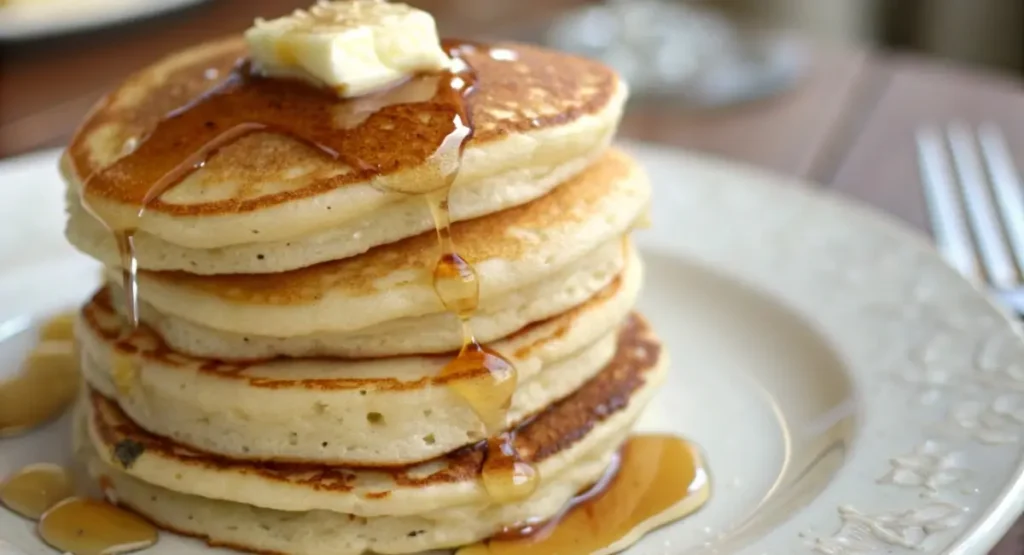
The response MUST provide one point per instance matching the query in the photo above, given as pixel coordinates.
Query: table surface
(848, 125)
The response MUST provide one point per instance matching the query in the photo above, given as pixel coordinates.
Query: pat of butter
(353, 46)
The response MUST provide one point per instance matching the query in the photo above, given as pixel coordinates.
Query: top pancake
(531, 107)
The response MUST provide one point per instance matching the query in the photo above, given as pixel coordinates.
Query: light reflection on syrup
(90, 527)
(73, 525)
(656, 480)
(506, 477)
(503, 54)
(59, 328)
(245, 103)
(35, 488)
(44, 386)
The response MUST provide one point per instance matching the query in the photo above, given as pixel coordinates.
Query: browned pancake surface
(538, 89)
(553, 430)
(477, 240)
(99, 314)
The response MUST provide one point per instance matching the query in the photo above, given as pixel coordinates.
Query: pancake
(244, 527)
(398, 220)
(319, 409)
(509, 250)
(597, 413)
(539, 117)
(431, 333)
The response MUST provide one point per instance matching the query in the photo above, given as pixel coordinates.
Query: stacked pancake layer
(284, 391)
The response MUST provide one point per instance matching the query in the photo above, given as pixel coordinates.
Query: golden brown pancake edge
(538, 90)
(554, 429)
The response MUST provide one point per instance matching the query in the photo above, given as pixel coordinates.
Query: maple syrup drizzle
(656, 480)
(505, 476)
(35, 488)
(91, 527)
(59, 328)
(126, 237)
(241, 105)
(245, 103)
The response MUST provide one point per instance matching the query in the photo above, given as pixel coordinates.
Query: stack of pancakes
(282, 393)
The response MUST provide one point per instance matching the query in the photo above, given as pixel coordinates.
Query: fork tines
(975, 202)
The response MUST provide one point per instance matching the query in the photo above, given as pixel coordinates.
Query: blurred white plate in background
(32, 19)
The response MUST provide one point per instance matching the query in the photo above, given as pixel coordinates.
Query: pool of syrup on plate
(44, 492)
(653, 480)
(46, 383)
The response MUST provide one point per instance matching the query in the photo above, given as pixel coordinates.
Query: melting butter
(354, 47)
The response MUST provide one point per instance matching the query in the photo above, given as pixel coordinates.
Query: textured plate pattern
(938, 450)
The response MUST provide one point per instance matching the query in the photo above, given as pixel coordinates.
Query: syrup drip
(244, 103)
(505, 475)
(90, 527)
(45, 385)
(59, 328)
(35, 488)
(481, 376)
(124, 371)
(659, 479)
(126, 237)
(241, 105)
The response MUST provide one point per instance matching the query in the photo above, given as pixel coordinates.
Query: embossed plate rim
(754, 198)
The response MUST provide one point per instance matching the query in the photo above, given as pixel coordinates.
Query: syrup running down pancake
(315, 409)
(571, 443)
(510, 250)
(390, 323)
(539, 119)
(345, 134)
(245, 103)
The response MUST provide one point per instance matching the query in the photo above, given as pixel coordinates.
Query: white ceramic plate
(32, 19)
(852, 394)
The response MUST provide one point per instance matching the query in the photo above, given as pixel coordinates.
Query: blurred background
(57, 56)
(987, 32)
(831, 91)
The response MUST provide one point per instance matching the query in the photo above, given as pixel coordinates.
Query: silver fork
(976, 205)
